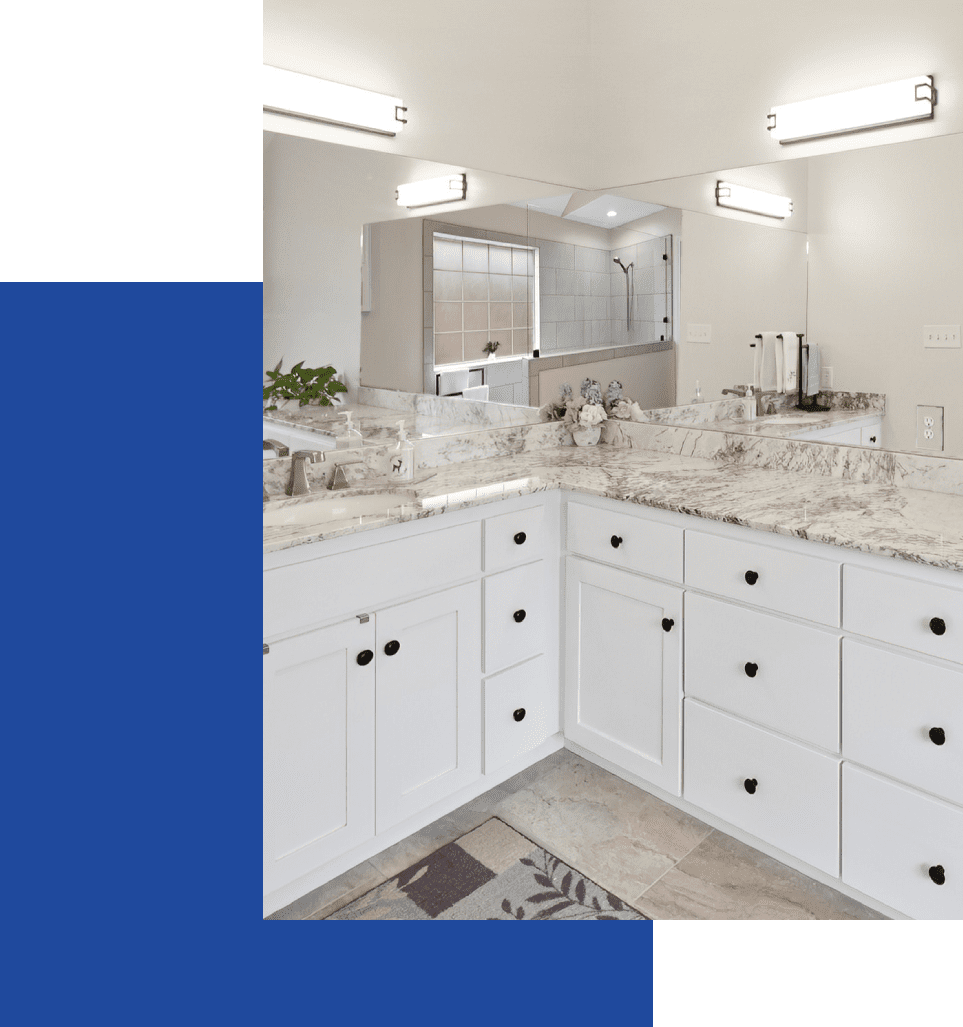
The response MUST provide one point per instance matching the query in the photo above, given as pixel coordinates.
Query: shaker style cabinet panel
(428, 708)
(778, 673)
(515, 620)
(514, 538)
(902, 847)
(318, 749)
(626, 539)
(521, 711)
(623, 670)
(904, 612)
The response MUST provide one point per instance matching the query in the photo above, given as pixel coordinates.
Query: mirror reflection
(871, 257)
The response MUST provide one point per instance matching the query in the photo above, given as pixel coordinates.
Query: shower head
(616, 260)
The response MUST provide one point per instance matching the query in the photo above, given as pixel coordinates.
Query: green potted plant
(490, 348)
(303, 384)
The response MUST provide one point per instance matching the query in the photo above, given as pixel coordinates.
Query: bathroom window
(483, 292)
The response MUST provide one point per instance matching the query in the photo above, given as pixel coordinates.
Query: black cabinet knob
(365, 657)
(519, 714)
(751, 577)
(750, 784)
(938, 626)
(520, 538)
(519, 616)
(937, 735)
(667, 623)
(937, 874)
(616, 541)
(872, 438)
(752, 669)
(392, 647)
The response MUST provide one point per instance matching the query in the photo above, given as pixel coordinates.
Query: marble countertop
(923, 527)
(801, 424)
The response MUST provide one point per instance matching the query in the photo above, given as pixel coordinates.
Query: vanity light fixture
(314, 99)
(447, 189)
(909, 99)
(753, 201)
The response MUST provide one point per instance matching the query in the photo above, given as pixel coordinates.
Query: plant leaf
(603, 917)
(527, 862)
(545, 914)
(542, 896)
(566, 882)
(580, 891)
(506, 906)
(545, 882)
(520, 915)
(615, 902)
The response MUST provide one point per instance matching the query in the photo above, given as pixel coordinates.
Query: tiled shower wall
(582, 295)
(483, 292)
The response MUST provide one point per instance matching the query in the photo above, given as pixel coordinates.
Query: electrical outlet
(929, 428)
(941, 336)
(698, 333)
(825, 377)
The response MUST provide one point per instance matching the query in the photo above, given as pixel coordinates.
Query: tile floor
(667, 864)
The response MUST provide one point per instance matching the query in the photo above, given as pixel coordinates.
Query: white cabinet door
(428, 706)
(318, 749)
(623, 670)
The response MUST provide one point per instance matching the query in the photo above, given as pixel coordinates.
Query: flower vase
(587, 436)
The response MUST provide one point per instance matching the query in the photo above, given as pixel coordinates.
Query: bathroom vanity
(792, 678)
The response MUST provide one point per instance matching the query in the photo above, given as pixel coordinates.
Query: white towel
(813, 368)
(766, 351)
(780, 365)
(790, 350)
(451, 382)
(478, 392)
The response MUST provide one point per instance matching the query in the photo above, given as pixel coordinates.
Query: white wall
(740, 279)
(886, 258)
(648, 379)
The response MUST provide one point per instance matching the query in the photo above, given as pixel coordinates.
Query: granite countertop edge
(907, 524)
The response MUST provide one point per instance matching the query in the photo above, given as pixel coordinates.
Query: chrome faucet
(298, 482)
(752, 396)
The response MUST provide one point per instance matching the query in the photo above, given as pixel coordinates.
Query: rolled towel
(478, 392)
(767, 350)
(813, 370)
(790, 350)
(780, 365)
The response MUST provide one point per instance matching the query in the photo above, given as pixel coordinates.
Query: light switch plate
(698, 333)
(825, 377)
(941, 336)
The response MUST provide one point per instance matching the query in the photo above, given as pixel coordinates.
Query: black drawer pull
(938, 626)
(519, 616)
(751, 577)
(616, 541)
(872, 438)
(667, 623)
(750, 784)
(520, 538)
(519, 714)
(937, 874)
(752, 669)
(392, 647)
(937, 735)
(365, 657)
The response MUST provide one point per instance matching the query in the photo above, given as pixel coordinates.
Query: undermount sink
(329, 508)
(791, 419)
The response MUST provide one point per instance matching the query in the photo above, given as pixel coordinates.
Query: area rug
(491, 873)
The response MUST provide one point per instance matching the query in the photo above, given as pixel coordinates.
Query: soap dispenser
(351, 438)
(697, 398)
(401, 460)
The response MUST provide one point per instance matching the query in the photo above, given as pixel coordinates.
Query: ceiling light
(612, 213)
(754, 201)
(313, 99)
(910, 99)
(447, 189)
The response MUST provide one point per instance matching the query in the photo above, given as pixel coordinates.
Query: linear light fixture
(314, 99)
(754, 201)
(910, 99)
(447, 189)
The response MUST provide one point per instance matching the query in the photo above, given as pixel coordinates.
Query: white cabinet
(318, 749)
(521, 711)
(623, 669)
(428, 713)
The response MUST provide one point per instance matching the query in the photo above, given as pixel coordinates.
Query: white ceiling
(595, 211)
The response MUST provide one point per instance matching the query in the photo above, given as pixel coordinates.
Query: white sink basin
(330, 508)
(791, 419)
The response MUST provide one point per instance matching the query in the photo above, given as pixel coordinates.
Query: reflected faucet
(752, 396)
(298, 481)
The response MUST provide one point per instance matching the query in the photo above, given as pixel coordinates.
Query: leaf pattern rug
(491, 873)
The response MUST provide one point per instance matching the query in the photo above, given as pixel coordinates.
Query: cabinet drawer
(514, 538)
(894, 839)
(794, 802)
(904, 611)
(514, 615)
(305, 594)
(520, 712)
(904, 717)
(774, 672)
(784, 582)
(625, 541)
(871, 435)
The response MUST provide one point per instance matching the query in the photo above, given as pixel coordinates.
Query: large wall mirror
(873, 252)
